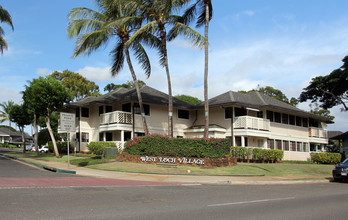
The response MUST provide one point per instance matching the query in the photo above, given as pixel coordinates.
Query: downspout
(194, 122)
(133, 122)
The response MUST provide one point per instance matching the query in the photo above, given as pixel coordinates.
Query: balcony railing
(247, 122)
(317, 132)
(117, 117)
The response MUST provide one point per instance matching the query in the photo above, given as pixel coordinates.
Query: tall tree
(205, 14)
(78, 85)
(19, 114)
(45, 96)
(330, 90)
(95, 29)
(129, 84)
(189, 99)
(159, 15)
(5, 17)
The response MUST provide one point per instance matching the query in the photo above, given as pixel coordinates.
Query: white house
(253, 119)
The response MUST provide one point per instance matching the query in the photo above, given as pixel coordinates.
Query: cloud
(98, 74)
(43, 71)
(10, 94)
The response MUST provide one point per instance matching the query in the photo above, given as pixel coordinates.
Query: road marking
(252, 201)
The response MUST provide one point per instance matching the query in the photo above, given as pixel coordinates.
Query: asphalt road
(122, 201)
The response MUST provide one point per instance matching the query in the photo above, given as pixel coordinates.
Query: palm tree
(6, 18)
(204, 17)
(94, 29)
(5, 112)
(158, 16)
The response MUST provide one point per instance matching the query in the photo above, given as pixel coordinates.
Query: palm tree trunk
(140, 100)
(206, 48)
(48, 124)
(170, 99)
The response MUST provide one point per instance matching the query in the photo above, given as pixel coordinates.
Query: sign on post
(67, 124)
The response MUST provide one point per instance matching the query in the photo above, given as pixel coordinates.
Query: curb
(45, 167)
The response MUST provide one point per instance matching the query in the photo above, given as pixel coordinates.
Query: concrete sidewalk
(183, 179)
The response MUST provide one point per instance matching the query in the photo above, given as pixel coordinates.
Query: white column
(243, 141)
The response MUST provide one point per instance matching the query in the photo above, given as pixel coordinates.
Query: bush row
(159, 145)
(257, 153)
(326, 158)
(99, 147)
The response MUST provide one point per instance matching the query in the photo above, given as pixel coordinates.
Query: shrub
(257, 153)
(99, 147)
(326, 158)
(160, 145)
(62, 147)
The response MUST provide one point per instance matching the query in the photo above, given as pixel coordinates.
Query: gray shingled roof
(259, 101)
(149, 95)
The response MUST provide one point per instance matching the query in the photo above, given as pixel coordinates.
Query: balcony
(317, 132)
(248, 122)
(116, 117)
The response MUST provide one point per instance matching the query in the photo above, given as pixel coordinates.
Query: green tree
(44, 96)
(78, 85)
(159, 16)
(19, 114)
(274, 93)
(5, 17)
(110, 87)
(95, 29)
(189, 99)
(205, 14)
(330, 90)
(315, 109)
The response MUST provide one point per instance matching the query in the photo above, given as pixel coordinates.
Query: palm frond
(118, 58)
(5, 17)
(142, 58)
(150, 27)
(89, 42)
(201, 18)
(181, 29)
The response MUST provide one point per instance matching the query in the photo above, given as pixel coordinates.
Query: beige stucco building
(253, 119)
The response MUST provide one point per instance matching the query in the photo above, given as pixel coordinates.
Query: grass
(284, 169)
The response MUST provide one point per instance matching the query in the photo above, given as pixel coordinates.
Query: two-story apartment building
(252, 119)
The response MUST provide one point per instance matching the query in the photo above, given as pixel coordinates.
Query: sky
(283, 44)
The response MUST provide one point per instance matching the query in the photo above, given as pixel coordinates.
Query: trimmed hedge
(326, 158)
(62, 147)
(257, 154)
(99, 147)
(160, 145)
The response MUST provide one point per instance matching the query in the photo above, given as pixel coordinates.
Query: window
(299, 146)
(270, 115)
(101, 110)
(260, 114)
(313, 123)
(238, 140)
(108, 108)
(139, 134)
(291, 119)
(285, 118)
(277, 117)
(101, 136)
(183, 114)
(293, 145)
(136, 109)
(270, 144)
(298, 121)
(108, 136)
(77, 113)
(286, 145)
(228, 112)
(305, 147)
(278, 144)
(126, 107)
(85, 112)
(85, 137)
(240, 112)
(305, 122)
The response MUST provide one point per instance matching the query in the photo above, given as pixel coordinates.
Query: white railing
(117, 117)
(248, 122)
(119, 145)
(317, 132)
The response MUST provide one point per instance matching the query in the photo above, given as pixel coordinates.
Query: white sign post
(67, 124)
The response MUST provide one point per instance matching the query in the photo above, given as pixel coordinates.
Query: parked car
(340, 171)
(43, 149)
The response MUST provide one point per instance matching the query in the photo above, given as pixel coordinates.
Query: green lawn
(292, 170)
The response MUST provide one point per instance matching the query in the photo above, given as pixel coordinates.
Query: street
(154, 201)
